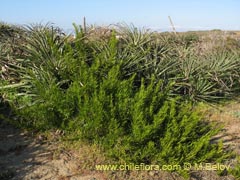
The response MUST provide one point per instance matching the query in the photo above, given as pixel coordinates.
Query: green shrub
(142, 124)
(190, 38)
(236, 171)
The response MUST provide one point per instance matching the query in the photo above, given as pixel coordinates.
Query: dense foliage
(132, 95)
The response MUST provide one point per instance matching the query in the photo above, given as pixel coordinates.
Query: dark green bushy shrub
(141, 125)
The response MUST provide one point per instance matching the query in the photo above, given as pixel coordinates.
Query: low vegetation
(130, 90)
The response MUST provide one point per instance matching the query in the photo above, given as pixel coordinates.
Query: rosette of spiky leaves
(45, 45)
(208, 78)
(11, 41)
(43, 62)
(223, 69)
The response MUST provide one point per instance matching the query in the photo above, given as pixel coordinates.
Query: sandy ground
(25, 156)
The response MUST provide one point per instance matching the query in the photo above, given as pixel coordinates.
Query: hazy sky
(186, 14)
